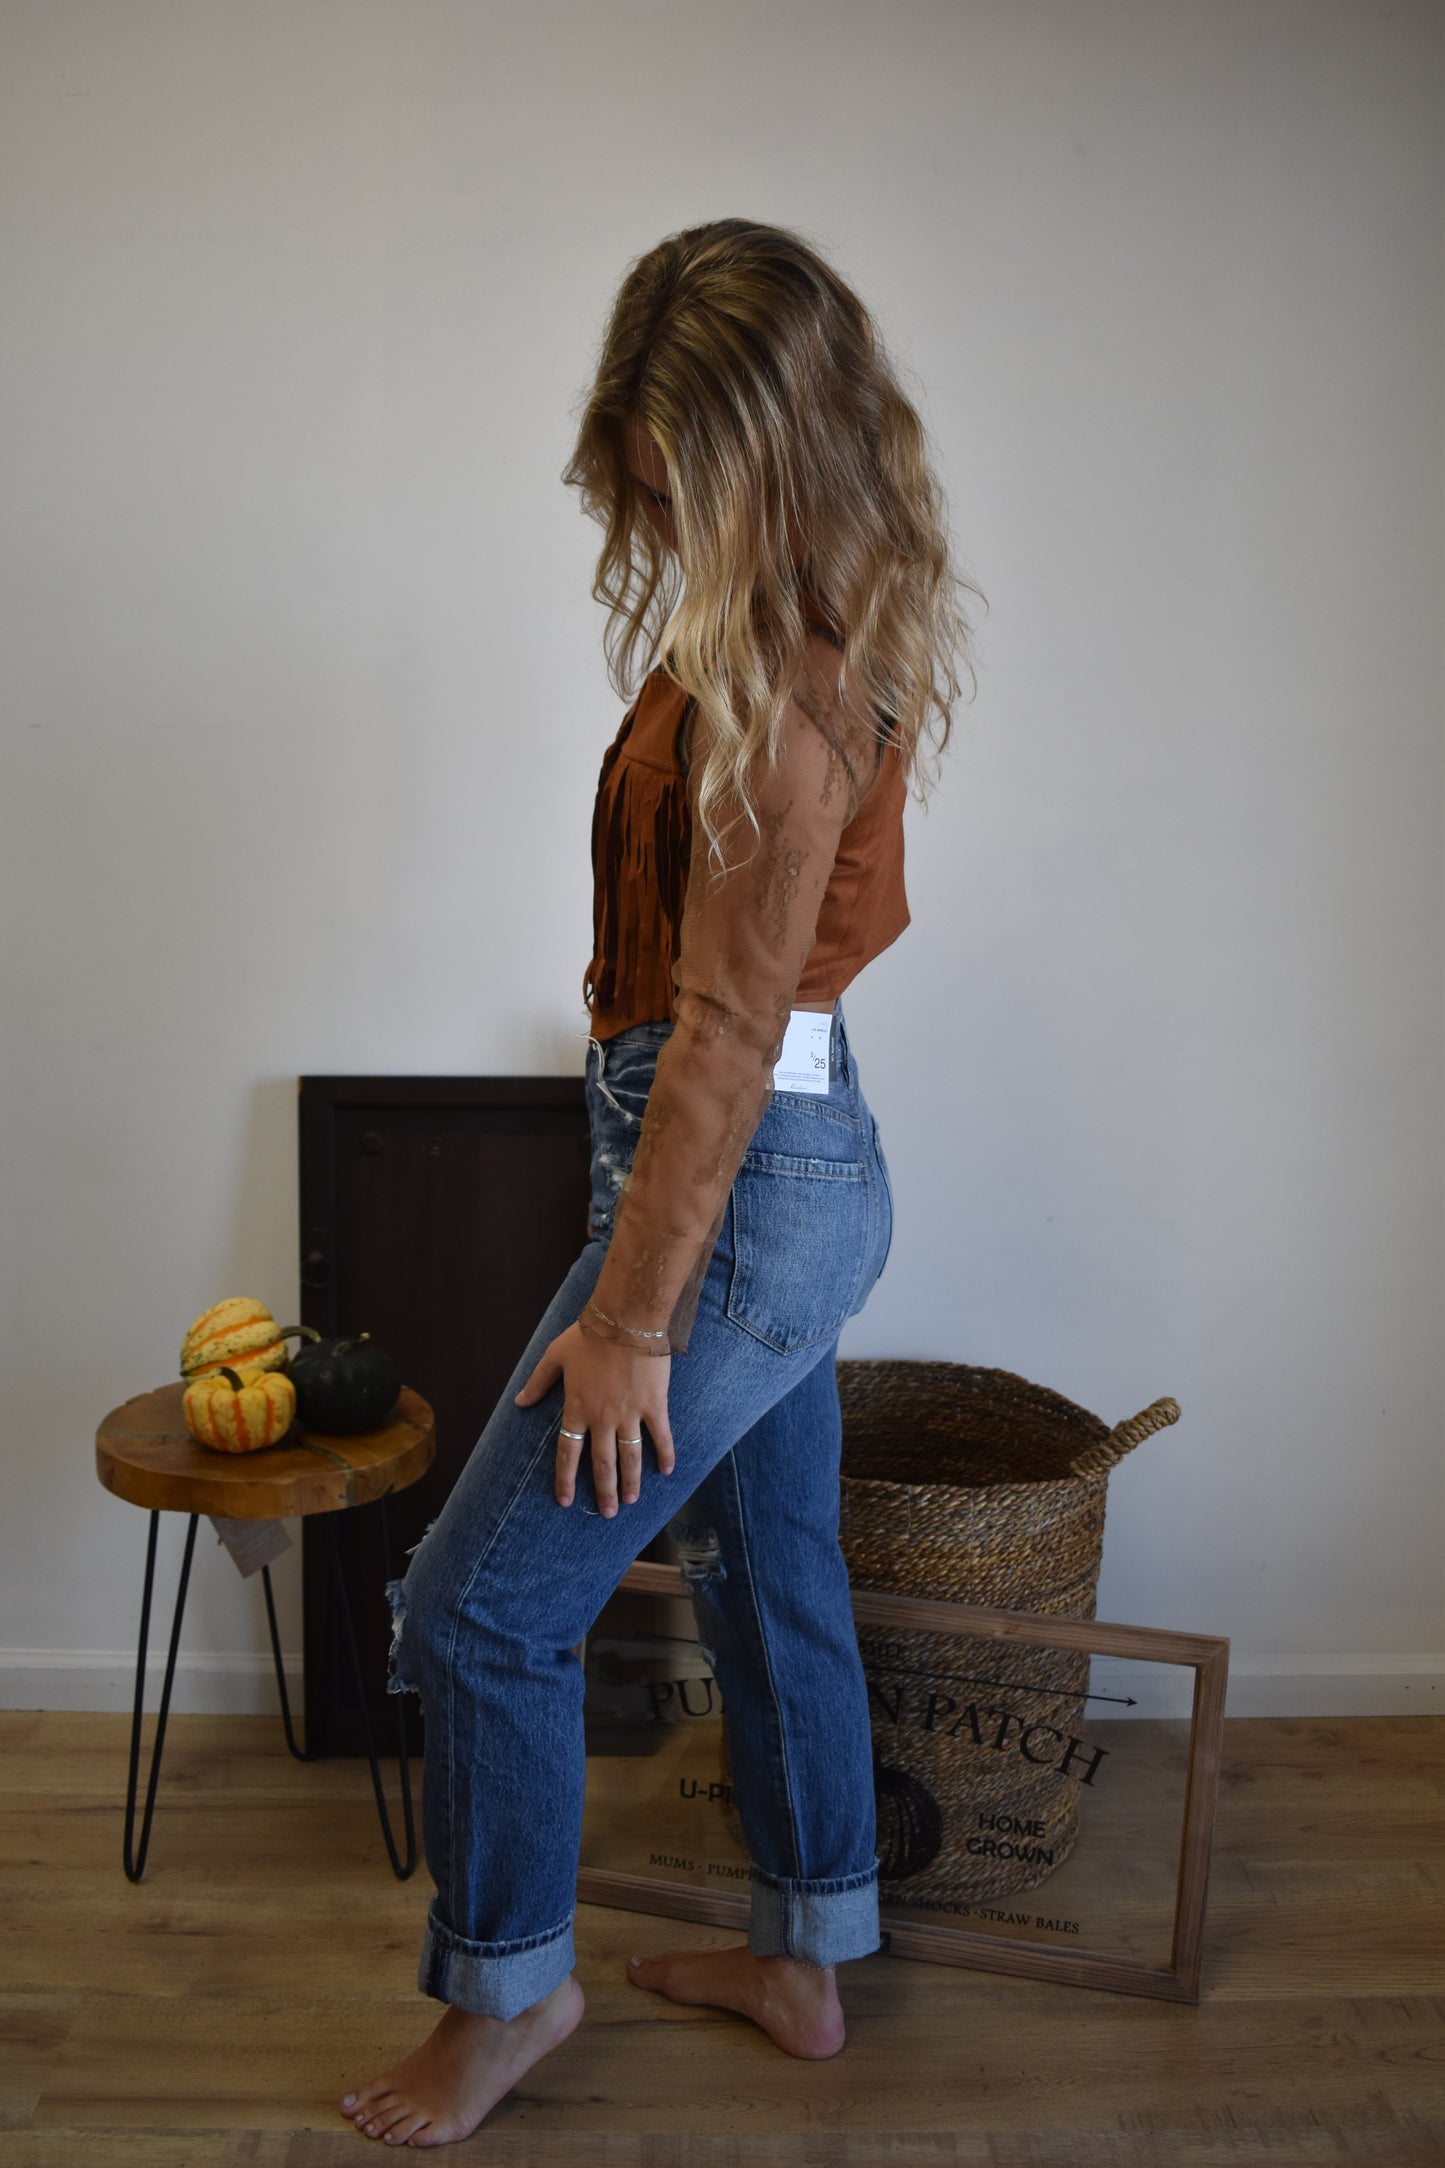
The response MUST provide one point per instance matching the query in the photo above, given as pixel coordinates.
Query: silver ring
(629, 1441)
(573, 1434)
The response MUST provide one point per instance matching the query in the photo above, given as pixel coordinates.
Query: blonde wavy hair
(761, 377)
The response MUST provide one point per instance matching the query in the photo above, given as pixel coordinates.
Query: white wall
(304, 700)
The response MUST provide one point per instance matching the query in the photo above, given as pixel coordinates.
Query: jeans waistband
(654, 1034)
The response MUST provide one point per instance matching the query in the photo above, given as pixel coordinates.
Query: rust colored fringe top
(641, 845)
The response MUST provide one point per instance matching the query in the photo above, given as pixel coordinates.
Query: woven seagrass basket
(974, 1486)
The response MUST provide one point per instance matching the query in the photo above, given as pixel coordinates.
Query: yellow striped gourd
(239, 1330)
(238, 1411)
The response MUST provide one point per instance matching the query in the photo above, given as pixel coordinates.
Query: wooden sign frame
(1207, 1655)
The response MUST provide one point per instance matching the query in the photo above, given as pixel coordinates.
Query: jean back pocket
(801, 1243)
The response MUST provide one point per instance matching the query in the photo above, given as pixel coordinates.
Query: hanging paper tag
(803, 1065)
(252, 1544)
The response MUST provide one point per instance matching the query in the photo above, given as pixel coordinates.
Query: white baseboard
(1267, 1685)
(104, 1679)
(1261, 1684)
(245, 1685)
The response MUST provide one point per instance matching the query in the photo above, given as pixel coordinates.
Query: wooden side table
(144, 1453)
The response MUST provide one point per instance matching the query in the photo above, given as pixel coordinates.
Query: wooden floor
(212, 2013)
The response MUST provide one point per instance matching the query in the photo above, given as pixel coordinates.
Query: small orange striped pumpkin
(238, 1330)
(238, 1411)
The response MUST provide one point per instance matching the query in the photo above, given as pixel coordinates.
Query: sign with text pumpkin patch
(1043, 1786)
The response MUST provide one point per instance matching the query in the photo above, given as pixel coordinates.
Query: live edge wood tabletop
(145, 1454)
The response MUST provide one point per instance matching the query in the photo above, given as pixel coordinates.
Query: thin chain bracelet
(588, 1322)
(644, 1332)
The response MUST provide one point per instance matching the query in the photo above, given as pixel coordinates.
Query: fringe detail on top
(641, 846)
(641, 851)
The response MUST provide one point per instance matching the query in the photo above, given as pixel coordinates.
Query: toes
(379, 2114)
(401, 2133)
(387, 2118)
(357, 2106)
(665, 1970)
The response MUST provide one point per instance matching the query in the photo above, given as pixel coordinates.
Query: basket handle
(1106, 1453)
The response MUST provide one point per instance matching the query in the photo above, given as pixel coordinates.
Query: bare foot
(441, 2091)
(797, 2005)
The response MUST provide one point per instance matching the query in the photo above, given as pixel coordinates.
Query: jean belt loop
(840, 1044)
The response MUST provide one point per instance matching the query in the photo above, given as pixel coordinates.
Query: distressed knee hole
(398, 1676)
(699, 1552)
(398, 1679)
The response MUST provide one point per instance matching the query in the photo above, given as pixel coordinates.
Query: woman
(744, 435)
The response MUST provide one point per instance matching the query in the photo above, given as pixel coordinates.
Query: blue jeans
(506, 1582)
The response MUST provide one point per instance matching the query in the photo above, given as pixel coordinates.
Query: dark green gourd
(341, 1385)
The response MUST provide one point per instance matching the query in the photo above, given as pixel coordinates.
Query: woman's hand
(609, 1391)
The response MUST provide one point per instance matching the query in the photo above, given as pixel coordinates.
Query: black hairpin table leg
(334, 1586)
(135, 1866)
(301, 1753)
(401, 1868)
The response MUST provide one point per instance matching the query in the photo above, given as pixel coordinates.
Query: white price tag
(803, 1064)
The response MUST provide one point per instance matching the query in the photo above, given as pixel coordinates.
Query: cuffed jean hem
(817, 1923)
(493, 1979)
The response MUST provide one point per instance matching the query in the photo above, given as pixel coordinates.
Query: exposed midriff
(641, 844)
